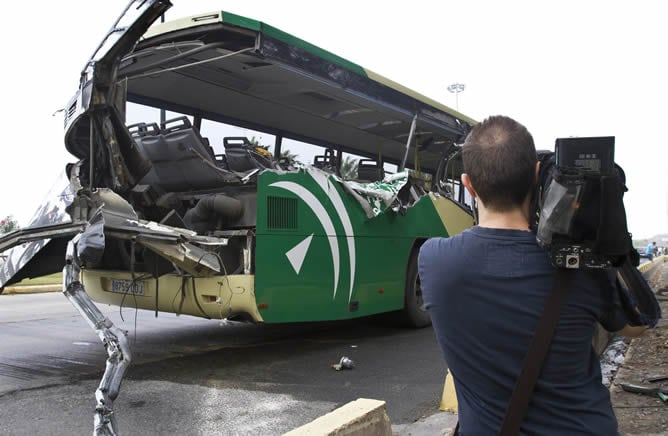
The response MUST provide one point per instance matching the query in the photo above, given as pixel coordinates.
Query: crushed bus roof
(244, 72)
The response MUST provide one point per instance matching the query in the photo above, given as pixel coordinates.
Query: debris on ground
(344, 363)
(612, 358)
(646, 359)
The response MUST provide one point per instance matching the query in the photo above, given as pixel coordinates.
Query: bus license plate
(127, 287)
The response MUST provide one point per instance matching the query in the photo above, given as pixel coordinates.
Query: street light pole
(456, 88)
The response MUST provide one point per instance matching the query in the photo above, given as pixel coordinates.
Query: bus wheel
(414, 314)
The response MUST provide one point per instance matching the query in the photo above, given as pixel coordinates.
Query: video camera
(578, 210)
(579, 218)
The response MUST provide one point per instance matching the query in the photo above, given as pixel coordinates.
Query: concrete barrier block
(31, 289)
(649, 265)
(362, 417)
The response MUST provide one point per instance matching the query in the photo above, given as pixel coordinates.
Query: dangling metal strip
(90, 156)
(408, 143)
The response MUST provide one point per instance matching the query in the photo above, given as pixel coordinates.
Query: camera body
(578, 210)
(576, 256)
(579, 218)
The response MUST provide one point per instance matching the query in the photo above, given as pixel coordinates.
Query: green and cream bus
(199, 219)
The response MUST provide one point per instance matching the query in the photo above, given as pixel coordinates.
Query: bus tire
(414, 314)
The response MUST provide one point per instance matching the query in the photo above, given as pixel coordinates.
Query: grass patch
(51, 279)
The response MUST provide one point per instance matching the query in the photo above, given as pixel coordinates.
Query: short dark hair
(499, 157)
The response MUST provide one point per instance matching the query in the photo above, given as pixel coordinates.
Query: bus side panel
(318, 257)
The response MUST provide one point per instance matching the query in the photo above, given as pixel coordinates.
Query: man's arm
(613, 318)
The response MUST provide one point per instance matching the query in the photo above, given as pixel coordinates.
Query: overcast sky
(568, 68)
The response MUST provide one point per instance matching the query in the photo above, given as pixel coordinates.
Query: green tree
(349, 168)
(8, 224)
(291, 158)
(256, 142)
(286, 155)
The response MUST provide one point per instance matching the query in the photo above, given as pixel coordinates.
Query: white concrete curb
(362, 417)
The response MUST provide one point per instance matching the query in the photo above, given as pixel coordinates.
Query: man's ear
(466, 181)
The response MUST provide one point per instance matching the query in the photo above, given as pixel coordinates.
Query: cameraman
(485, 290)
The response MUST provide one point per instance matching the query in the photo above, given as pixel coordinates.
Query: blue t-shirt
(485, 290)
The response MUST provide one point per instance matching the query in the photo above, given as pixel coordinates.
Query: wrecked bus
(167, 213)
(193, 220)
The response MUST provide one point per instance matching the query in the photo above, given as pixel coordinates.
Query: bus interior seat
(240, 155)
(138, 132)
(180, 127)
(326, 161)
(369, 170)
(177, 152)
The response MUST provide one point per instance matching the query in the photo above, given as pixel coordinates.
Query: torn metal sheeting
(120, 216)
(172, 243)
(118, 350)
(22, 236)
(153, 230)
(90, 242)
(187, 257)
(88, 246)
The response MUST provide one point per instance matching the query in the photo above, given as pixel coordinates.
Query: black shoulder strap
(533, 361)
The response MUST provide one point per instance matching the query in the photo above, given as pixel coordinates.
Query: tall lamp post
(456, 88)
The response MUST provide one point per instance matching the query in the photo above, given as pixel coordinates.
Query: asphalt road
(195, 376)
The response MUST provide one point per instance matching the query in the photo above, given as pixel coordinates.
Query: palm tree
(291, 158)
(256, 142)
(349, 168)
(286, 155)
